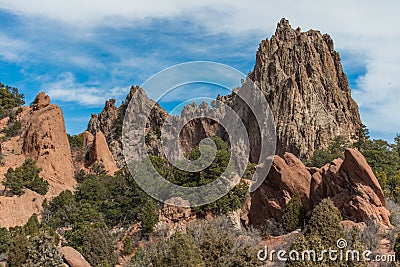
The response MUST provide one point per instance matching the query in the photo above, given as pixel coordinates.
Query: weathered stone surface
(308, 92)
(174, 212)
(105, 120)
(287, 176)
(44, 139)
(110, 116)
(354, 189)
(73, 258)
(88, 138)
(350, 183)
(41, 101)
(100, 154)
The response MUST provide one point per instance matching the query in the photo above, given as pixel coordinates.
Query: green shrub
(5, 240)
(214, 243)
(13, 129)
(334, 151)
(127, 246)
(18, 251)
(325, 221)
(42, 251)
(180, 250)
(294, 214)
(98, 247)
(25, 176)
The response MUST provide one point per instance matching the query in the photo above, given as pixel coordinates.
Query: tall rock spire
(308, 92)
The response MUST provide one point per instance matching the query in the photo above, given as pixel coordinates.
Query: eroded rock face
(105, 120)
(110, 119)
(306, 88)
(350, 183)
(287, 176)
(100, 154)
(41, 101)
(45, 140)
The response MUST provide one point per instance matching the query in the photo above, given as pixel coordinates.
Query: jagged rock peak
(306, 88)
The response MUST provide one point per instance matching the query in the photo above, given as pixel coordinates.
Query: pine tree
(98, 247)
(5, 240)
(18, 251)
(293, 215)
(149, 217)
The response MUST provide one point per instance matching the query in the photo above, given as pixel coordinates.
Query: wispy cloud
(11, 50)
(67, 89)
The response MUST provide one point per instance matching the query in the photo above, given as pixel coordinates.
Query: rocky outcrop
(41, 101)
(350, 183)
(175, 212)
(105, 120)
(73, 258)
(287, 176)
(100, 154)
(110, 119)
(45, 140)
(306, 88)
(17, 210)
(353, 188)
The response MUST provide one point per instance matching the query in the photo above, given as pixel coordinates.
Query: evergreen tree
(13, 183)
(325, 221)
(27, 175)
(149, 217)
(98, 247)
(294, 214)
(18, 251)
(5, 240)
(33, 226)
(181, 251)
(360, 137)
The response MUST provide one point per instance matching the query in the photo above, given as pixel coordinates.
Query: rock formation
(73, 258)
(100, 154)
(350, 183)
(44, 139)
(41, 101)
(308, 92)
(110, 119)
(105, 120)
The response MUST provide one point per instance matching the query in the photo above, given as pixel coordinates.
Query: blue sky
(84, 52)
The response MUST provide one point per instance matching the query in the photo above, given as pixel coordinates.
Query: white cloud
(66, 89)
(11, 50)
(367, 28)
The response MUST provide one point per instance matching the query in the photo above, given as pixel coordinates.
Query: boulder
(73, 258)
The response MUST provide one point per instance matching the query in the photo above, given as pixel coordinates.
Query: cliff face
(109, 122)
(306, 88)
(44, 139)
